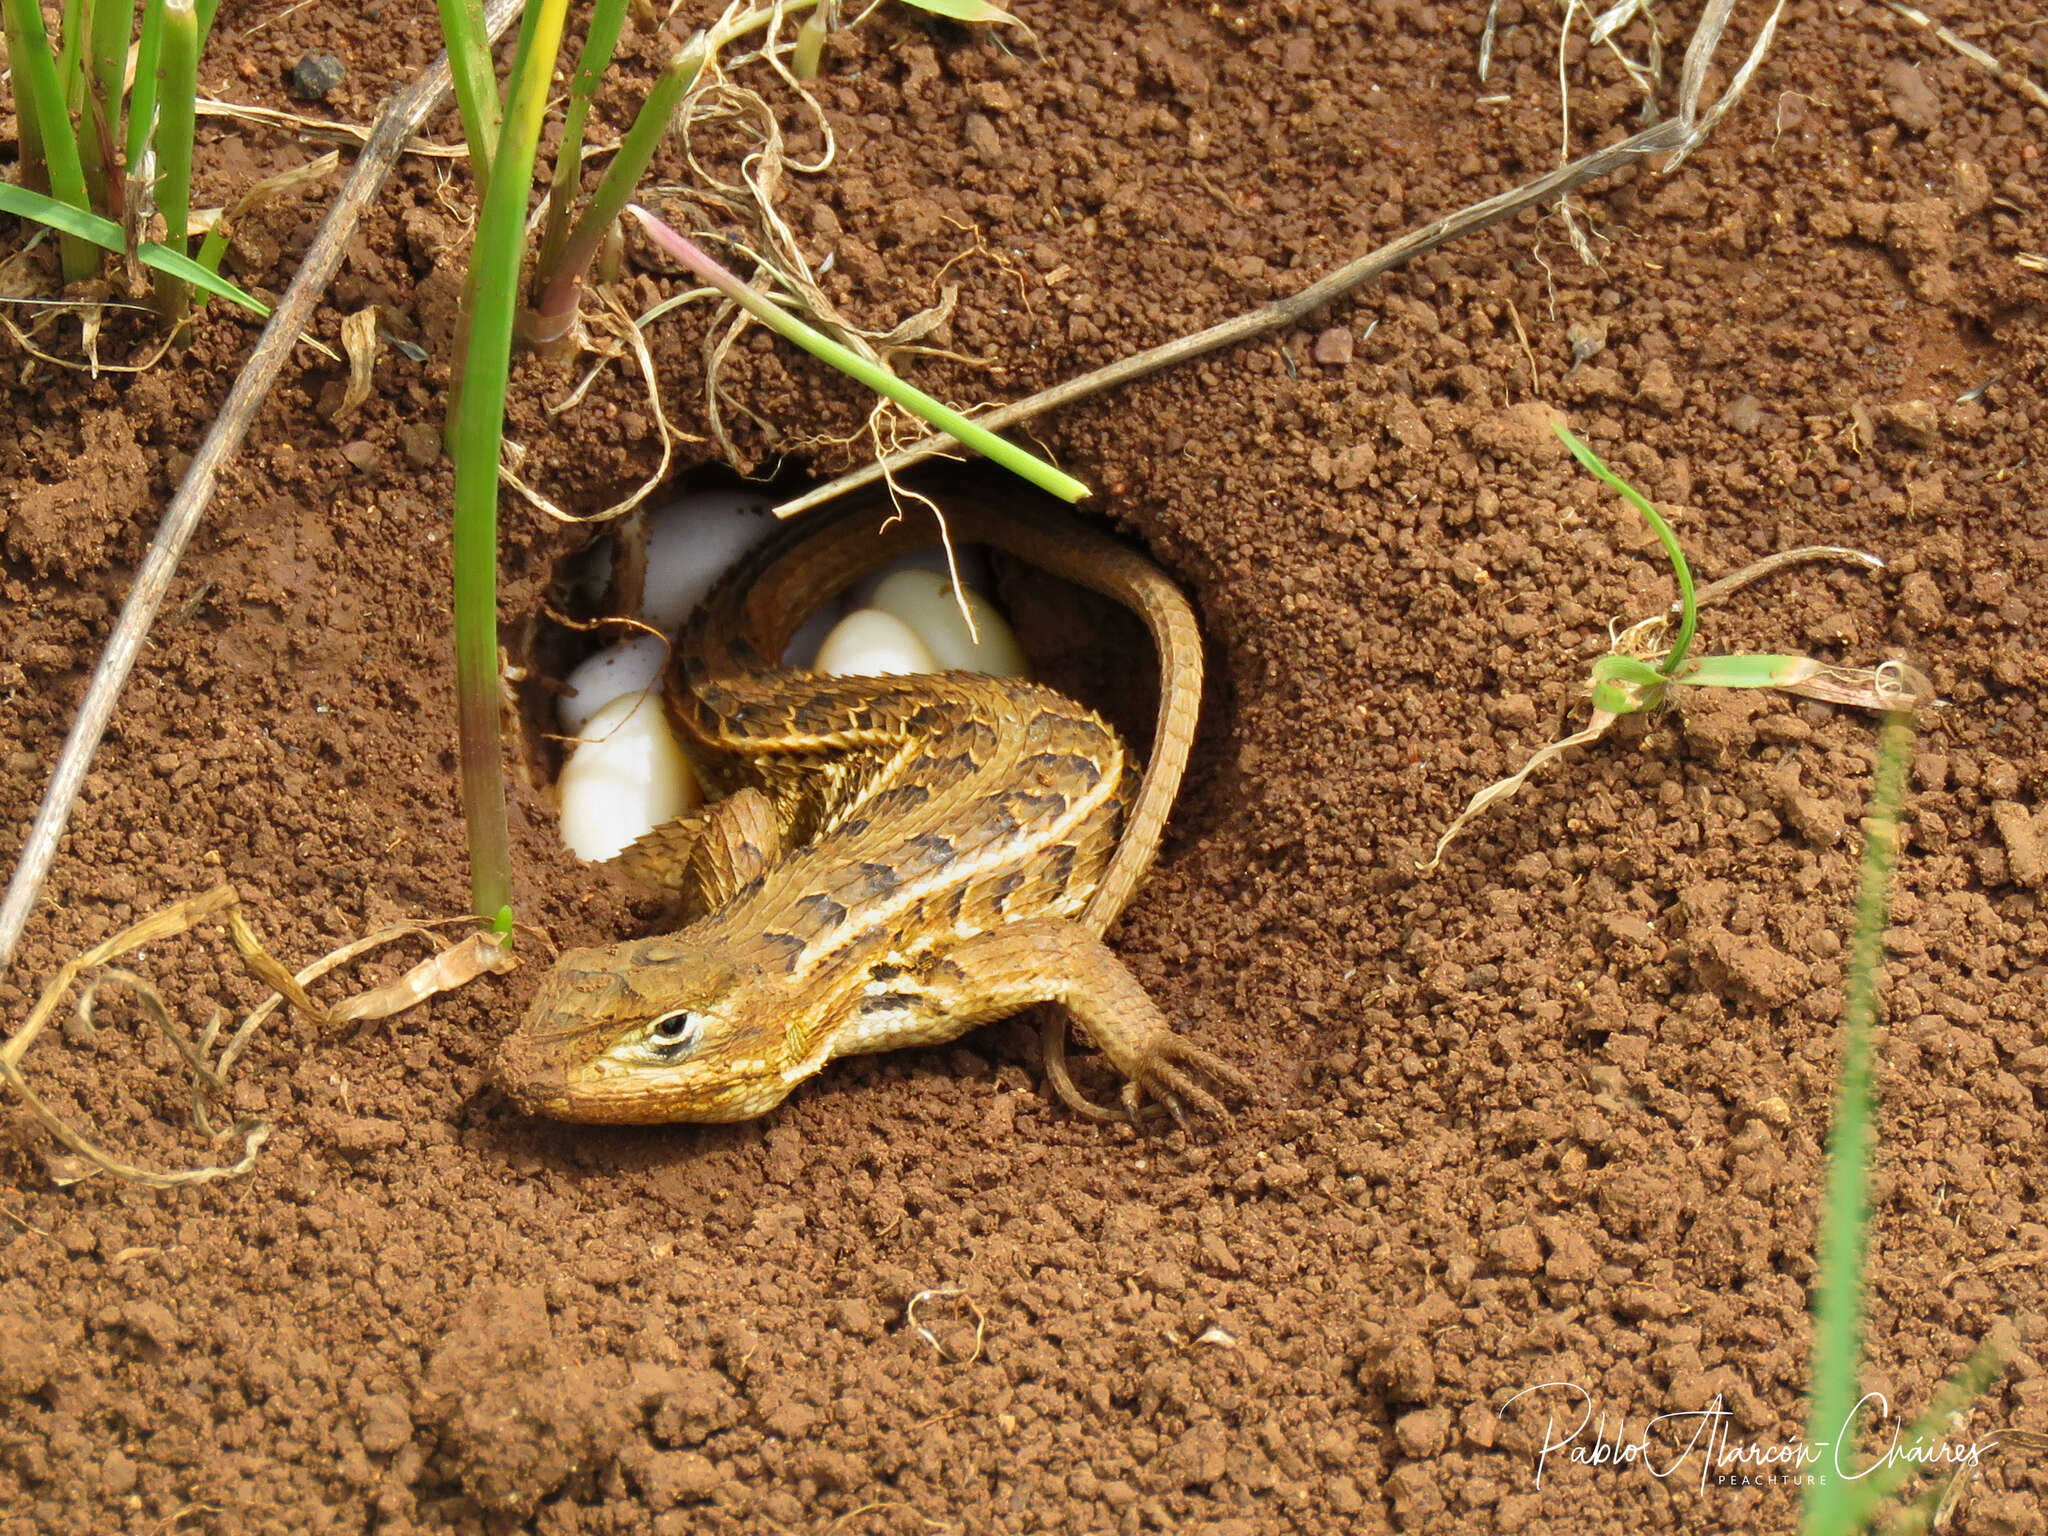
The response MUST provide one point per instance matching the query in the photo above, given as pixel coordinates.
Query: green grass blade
(148, 59)
(964, 10)
(1828, 1506)
(106, 69)
(142, 99)
(490, 301)
(35, 169)
(76, 224)
(1758, 671)
(564, 280)
(37, 85)
(600, 40)
(851, 363)
(174, 128)
(71, 55)
(1622, 685)
(476, 87)
(1688, 615)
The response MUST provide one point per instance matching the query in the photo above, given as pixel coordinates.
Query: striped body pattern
(890, 862)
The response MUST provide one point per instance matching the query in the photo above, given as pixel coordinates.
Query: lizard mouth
(532, 1076)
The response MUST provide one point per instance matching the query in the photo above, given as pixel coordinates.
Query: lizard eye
(675, 1034)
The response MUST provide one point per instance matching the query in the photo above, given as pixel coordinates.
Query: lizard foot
(1168, 1071)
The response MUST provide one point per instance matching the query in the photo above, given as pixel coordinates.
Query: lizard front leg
(704, 857)
(1054, 960)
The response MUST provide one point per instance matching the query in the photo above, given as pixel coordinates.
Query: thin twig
(1677, 136)
(1770, 565)
(396, 126)
(322, 128)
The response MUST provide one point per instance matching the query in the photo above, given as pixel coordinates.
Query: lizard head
(643, 1033)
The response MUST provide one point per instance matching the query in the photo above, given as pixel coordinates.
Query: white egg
(924, 600)
(973, 571)
(871, 643)
(631, 666)
(625, 778)
(693, 543)
(803, 646)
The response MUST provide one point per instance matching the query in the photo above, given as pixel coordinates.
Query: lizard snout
(530, 1074)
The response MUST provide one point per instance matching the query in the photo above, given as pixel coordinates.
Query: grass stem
(142, 97)
(564, 279)
(106, 67)
(847, 361)
(41, 94)
(35, 170)
(476, 87)
(179, 60)
(490, 301)
(1845, 1211)
(600, 41)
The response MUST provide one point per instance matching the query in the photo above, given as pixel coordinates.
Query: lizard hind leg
(1053, 960)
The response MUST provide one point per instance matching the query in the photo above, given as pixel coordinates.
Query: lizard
(892, 861)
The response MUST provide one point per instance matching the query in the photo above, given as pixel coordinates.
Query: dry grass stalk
(453, 965)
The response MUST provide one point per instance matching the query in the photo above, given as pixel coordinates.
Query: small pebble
(1588, 340)
(315, 75)
(1745, 415)
(1333, 348)
(422, 443)
(118, 1474)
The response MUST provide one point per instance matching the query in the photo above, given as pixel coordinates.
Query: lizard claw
(1166, 1075)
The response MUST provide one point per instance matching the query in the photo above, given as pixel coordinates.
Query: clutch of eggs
(627, 775)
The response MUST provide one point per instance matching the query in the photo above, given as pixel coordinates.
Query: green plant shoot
(1625, 682)
(92, 230)
(476, 88)
(41, 96)
(1839, 1497)
(180, 72)
(1688, 616)
(846, 360)
(600, 40)
(562, 269)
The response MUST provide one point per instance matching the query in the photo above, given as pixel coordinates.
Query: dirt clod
(517, 1414)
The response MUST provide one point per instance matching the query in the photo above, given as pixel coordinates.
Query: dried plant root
(451, 966)
(1502, 789)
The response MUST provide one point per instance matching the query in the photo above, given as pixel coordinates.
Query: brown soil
(1555, 1114)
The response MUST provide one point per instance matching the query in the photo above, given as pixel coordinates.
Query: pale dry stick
(400, 119)
(1770, 565)
(2010, 78)
(1676, 136)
